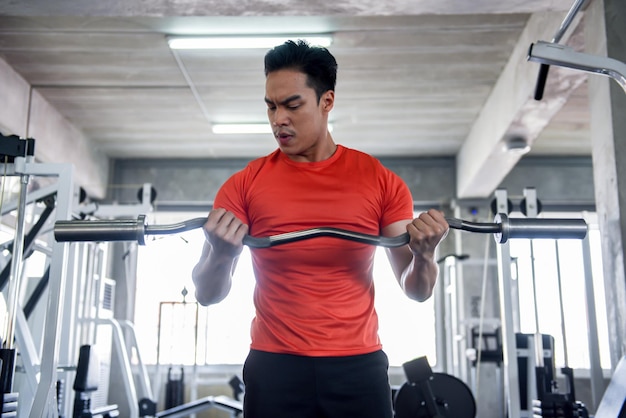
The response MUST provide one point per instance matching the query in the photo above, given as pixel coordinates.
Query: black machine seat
(86, 382)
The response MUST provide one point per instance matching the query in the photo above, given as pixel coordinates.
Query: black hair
(316, 62)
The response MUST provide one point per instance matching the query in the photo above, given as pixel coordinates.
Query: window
(164, 268)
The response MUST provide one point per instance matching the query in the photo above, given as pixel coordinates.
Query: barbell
(503, 228)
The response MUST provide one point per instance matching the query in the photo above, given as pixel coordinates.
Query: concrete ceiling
(416, 78)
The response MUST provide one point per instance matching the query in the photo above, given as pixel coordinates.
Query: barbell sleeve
(503, 228)
(101, 230)
(536, 228)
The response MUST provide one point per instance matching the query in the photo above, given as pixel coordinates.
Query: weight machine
(552, 53)
(41, 398)
(34, 383)
(533, 385)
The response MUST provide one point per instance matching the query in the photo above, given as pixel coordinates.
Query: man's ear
(328, 100)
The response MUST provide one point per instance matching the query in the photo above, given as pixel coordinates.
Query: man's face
(299, 122)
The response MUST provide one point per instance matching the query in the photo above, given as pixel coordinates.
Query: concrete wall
(431, 180)
(25, 113)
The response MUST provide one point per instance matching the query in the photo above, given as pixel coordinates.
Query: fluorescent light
(238, 42)
(246, 128)
(241, 128)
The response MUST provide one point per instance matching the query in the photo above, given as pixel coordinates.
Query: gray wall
(431, 180)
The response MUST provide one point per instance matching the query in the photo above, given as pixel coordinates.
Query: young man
(315, 350)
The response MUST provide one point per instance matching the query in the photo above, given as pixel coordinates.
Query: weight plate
(453, 398)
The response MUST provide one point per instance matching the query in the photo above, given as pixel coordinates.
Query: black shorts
(290, 386)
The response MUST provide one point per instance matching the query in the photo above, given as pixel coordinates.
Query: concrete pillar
(605, 35)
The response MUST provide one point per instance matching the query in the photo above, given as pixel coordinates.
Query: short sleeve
(398, 201)
(231, 196)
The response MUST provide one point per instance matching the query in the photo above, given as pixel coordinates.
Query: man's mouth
(284, 137)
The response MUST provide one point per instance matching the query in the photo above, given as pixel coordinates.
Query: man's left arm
(414, 264)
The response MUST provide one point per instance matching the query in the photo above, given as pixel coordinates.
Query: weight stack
(174, 389)
(559, 406)
(9, 405)
(524, 344)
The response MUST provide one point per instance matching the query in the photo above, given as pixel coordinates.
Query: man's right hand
(225, 232)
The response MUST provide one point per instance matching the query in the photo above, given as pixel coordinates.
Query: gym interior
(506, 117)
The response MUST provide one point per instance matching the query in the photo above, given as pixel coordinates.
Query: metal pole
(568, 20)
(536, 386)
(595, 367)
(538, 338)
(16, 265)
(509, 349)
(562, 310)
(544, 68)
(44, 403)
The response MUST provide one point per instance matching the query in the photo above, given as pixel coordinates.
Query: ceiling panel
(408, 84)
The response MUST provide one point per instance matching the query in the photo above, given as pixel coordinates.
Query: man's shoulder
(259, 162)
(363, 158)
(358, 154)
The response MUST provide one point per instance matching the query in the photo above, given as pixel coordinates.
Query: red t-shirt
(315, 297)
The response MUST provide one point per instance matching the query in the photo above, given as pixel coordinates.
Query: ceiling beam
(273, 7)
(512, 111)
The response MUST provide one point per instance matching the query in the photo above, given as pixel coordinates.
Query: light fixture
(246, 128)
(241, 128)
(517, 145)
(239, 42)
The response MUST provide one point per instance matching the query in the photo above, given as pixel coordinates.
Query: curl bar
(503, 228)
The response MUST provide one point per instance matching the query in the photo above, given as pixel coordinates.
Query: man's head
(299, 94)
(317, 63)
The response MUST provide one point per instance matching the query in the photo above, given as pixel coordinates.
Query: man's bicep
(396, 228)
(399, 257)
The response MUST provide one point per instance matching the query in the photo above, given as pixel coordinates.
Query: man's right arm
(212, 274)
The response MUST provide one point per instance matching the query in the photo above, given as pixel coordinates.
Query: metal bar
(538, 341)
(16, 266)
(34, 196)
(127, 374)
(539, 228)
(595, 366)
(544, 68)
(29, 356)
(573, 11)
(144, 379)
(219, 402)
(509, 349)
(27, 244)
(561, 308)
(44, 402)
(564, 56)
(135, 230)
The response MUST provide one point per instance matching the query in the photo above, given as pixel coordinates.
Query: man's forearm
(419, 277)
(212, 277)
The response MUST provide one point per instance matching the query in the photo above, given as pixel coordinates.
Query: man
(315, 350)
